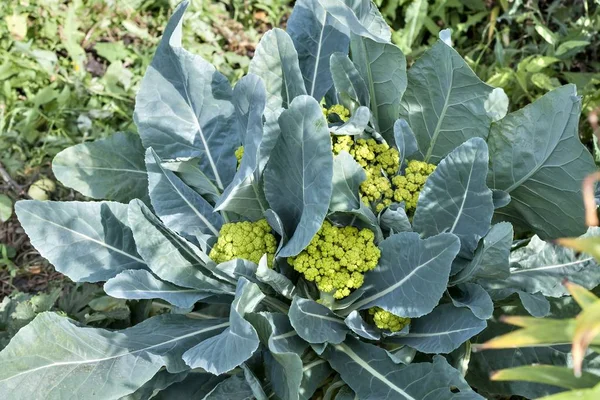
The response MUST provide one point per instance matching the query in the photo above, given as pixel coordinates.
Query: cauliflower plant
(337, 258)
(246, 240)
(386, 320)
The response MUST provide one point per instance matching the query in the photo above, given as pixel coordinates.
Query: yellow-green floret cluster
(386, 320)
(337, 258)
(239, 153)
(342, 112)
(407, 187)
(246, 240)
(374, 157)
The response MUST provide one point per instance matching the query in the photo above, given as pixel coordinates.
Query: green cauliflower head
(386, 320)
(246, 240)
(337, 258)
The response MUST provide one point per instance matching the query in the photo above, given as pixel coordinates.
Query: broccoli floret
(239, 153)
(246, 240)
(337, 258)
(386, 320)
(407, 187)
(342, 112)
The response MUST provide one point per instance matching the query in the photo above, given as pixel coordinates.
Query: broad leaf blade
(111, 168)
(169, 256)
(316, 323)
(244, 195)
(347, 177)
(536, 156)
(455, 198)
(142, 284)
(237, 343)
(373, 375)
(411, 276)
(383, 68)
(184, 109)
(177, 205)
(475, 298)
(299, 173)
(53, 349)
(316, 36)
(444, 102)
(88, 242)
(276, 62)
(347, 79)
(442, 331)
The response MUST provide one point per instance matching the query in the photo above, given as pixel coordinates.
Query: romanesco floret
(386, 320)
(337, 258)
(407, 187)
(246, 240)
(239, 153)
(342, 112)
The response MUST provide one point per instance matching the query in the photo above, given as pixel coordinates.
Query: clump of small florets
(386, 320)
(375, 158)
(337, 258)
(246, 240)
(342, 112)
(239, 153)
(407, 187)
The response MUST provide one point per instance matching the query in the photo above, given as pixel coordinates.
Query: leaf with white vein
(52, 356)
(369, 371)
(142, 284)
(316, 36)
(411, 276)
(111, 168)
(299, 173)
(276, 62)
(347, 80)
(235, 345)
(316, 323)
(168, 255)
(536, 156)
(177, 205)
(88, 242)
(441, 331)
(444, 102)
(456, 199)
(184, 109)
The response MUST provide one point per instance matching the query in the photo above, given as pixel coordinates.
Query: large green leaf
(177, 205)
(184, 109)
(455, 198)
(316, 323)
(111, 168)
(347, 80)
(299, 173)
(223, 352)
(383, 68)
(244, 195)
(360, 17)
(474, 297)
(52, 356)
(536, 157)
(411, 276)
(142, 284)
(88, 242)
(234, 387)
(442, 330)
(347, 177)
(316, 36)
(543, 267)
(444, 102)
(285, 347)
(369, 371)
(276, 62)
(197, 384)
(491, 259)
(168, 255)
